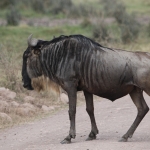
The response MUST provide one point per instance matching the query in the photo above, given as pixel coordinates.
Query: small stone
(29, 99)
(45, 108)
(4, 103)
(28, 105)
(1, 98)
(25, 109)
(14, 104)
(3, 106)
(5, 118)
(22, 111)
(7, 93)
(51, 108)
(11, 95)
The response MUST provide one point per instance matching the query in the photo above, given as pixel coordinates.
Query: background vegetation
(113, 23)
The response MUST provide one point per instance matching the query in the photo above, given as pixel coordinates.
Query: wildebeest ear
(32, 42)
(37, 49)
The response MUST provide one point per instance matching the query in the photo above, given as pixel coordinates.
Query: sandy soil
(113, 120)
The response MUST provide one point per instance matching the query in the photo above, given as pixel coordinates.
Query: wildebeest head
(31, 68)
(32, 74)
(25, 77)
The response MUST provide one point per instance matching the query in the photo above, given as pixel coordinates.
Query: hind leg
(138, 100)
(90, 111)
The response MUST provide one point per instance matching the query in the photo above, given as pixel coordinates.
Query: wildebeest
(77, 63)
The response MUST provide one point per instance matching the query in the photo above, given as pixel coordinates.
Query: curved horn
(32, 41)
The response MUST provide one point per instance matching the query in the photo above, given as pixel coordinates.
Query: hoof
(66, 141)
(123, 140)
(91, 138)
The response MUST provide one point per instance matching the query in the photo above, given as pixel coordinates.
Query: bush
(86, 22)
(100, 32)
(129, 29)
(148, 29)
(51, 6)
(38, 6)
(127, 23)
(60, 6)
(13, 16)
(119, 13)
(7, 3)
(83, 10)
(108, 6)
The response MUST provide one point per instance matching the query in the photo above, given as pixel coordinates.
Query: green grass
(16, 36)
(141, 7)
(29, 13)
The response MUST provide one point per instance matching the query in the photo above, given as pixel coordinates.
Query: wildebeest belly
(112, 93)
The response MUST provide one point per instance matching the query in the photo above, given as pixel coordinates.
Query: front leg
(72, 95)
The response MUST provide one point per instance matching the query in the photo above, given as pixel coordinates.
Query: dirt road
(113, 120)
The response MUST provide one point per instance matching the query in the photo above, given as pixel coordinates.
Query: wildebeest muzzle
(27, 85)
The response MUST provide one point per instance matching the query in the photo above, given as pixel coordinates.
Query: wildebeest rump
(77, 63)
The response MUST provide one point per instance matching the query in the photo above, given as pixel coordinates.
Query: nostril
(28, 86)
(25, 85)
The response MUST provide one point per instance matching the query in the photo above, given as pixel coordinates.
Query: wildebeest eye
(29, 55)
(25, 55)
(35, 51)
(40, 47)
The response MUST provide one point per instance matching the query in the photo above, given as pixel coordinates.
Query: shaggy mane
(78, 37)
(43, 83)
